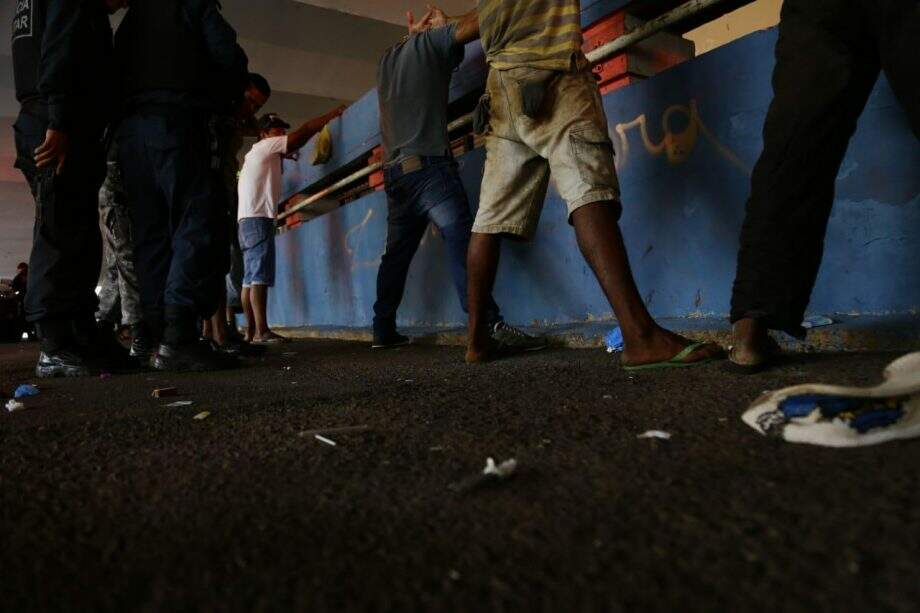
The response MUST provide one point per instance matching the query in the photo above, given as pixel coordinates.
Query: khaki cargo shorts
(569, 139)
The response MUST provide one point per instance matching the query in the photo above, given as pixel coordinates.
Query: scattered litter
(409, 381)
(180, 403)
(491, 473)
(340, 430)
(438, 448)
(454, 575)
(817, 321)
(323, 439)
(105, 376)
(202, 415)
(608, 397)
(14, 405)
(287, 368)
(614, 340)
(656, 434)
(163, 392)
(25, 391)
(838, 416)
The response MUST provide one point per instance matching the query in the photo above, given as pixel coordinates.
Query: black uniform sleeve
(58, 60)
(220, 41)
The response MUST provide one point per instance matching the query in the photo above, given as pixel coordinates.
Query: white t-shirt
(260, 179)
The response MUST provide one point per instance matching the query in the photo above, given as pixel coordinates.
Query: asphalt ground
(111, 501)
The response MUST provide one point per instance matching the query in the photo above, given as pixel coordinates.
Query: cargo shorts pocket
(592, 153)
(482, 114)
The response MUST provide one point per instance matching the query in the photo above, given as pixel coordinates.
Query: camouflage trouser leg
(120, 289)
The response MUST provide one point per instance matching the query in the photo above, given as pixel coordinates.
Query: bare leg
(482, 266)
(259, 298)
(601, 244)
(246, 299)
(215, 328)
(231, 319)
(752, 348)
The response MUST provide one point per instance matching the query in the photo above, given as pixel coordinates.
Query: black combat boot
(60, 354)
(143, 344)
(104, 352)
(183, 350)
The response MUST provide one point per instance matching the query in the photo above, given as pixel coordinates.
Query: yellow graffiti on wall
(676, 145)
(355, 231)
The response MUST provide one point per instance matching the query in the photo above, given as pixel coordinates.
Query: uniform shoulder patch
(23, 18)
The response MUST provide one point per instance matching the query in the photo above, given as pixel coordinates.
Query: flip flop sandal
(838, 416)
(677, 361)
(271, 340)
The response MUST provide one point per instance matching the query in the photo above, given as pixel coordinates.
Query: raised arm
(467, 25)
(302, 135)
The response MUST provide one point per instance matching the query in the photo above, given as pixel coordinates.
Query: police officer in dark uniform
(63, 67)
(179, 62)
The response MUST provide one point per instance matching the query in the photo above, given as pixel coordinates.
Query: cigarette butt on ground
(334, 430)
(323, 439)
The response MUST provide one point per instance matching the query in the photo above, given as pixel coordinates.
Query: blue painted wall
(686, 141)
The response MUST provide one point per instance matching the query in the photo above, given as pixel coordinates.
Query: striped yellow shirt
(537, 33)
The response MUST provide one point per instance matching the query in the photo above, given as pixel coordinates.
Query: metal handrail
(369, 170)
(648, 29)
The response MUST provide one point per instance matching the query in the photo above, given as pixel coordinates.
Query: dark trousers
(432, 194)
(66, 244)
(235, 276)
(234, 280)
(119, 296)
(178, 217)
(828, 58)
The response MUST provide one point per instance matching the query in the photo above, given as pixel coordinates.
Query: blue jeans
(432, 194)
(257, 240)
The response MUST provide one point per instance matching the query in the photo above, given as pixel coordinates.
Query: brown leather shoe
(753, 349)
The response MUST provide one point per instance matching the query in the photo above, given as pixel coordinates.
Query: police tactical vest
(161, 48)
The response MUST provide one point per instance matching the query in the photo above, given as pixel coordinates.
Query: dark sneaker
(240, 348)
(233, 333)
(62, 363)
(508, 339)
(389, 340)
(193, 357)
(105, 353)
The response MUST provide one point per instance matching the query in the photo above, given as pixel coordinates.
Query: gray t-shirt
(413, 85)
